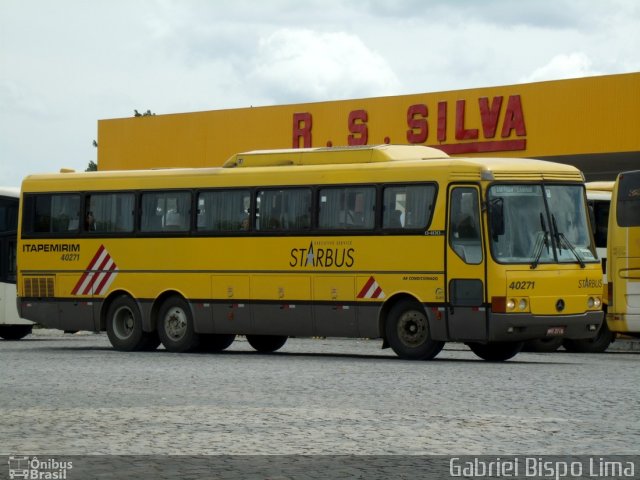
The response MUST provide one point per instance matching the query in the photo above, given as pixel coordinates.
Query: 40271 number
(522, 285)
(70, 257)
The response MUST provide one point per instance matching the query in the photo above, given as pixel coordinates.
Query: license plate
(555, 331)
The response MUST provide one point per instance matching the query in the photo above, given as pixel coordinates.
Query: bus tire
(267, 343)
(216, 342)
(175, 326)
(124, 325)
(496, 351)
(15, 332)
(543, 345)
(598, 344)
(407, 331)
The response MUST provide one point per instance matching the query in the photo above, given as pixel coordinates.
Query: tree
(93, 166)
(148, 113)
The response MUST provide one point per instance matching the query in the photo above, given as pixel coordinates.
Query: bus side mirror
(592, 218)
(496, 217)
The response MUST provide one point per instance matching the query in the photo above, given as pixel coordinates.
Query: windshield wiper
(561, 238)
(541, 242)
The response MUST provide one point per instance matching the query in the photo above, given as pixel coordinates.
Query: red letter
(442, 121)
(461, 132)
(514, 118)
(489, 116)
(418, 127)
(302, 129)
(358, 126)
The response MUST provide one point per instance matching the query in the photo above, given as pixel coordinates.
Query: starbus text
(322, 257)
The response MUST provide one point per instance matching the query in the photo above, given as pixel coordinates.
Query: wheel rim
(175, 323)
(412, 328)
(123, 323)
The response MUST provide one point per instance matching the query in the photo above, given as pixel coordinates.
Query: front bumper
(515, 327)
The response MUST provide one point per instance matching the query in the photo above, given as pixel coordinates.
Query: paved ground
(74, 395)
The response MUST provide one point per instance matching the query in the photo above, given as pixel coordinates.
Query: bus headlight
(522, 304)
(594, 302)
(511, 304)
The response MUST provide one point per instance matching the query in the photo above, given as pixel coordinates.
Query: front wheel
(407, 331)
(15, 332)
(175, 326)
(266, 343)
(496, 351)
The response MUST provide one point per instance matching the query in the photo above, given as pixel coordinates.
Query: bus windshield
(629, 200)
(540, 224)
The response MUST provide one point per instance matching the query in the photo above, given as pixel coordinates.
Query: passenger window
(58, 213)
(407, 206)
(224, 211)
(464, 225)
(8, 215)
(109, 212)
(165, 212)
(283, 209)
(347, 208)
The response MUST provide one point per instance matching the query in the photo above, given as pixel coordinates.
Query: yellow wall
(592, 115)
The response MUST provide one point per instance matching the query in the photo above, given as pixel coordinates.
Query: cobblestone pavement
(74, 395)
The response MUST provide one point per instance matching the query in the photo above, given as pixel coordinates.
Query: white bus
(12, 327)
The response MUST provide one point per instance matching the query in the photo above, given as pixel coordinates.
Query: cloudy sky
(65, 64)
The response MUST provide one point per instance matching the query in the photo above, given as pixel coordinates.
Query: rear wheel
(15, 332)
(266, 343)
(598, 344)
(124, 326)
(175, 326)
(407, 331)
(496, 351)
(215, 342)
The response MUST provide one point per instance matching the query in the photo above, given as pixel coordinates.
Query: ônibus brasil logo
(98, 276)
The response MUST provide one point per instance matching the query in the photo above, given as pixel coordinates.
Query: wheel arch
(391, 302)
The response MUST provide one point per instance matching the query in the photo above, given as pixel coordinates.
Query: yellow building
(592, 123)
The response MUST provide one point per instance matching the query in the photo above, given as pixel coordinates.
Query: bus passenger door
(465, 268)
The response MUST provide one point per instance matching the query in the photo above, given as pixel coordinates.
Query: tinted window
(628, 213)
(165, 212)
(8, 214)
(110, 212)
(464, 225)
(407, 206)
(224, 211)
(58, 213)
(283, 209)
(346, 208)
(601, 224)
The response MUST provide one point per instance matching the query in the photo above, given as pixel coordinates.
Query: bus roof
(390, 163)
(337, 155)
(10, 192)
(600, 186)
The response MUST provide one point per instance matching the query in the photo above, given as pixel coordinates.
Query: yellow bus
(401, 243)
(623, 246)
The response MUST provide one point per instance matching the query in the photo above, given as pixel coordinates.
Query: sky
(66, 64)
